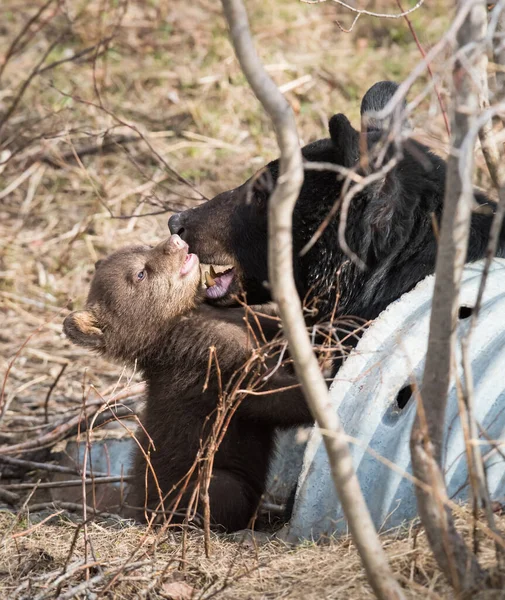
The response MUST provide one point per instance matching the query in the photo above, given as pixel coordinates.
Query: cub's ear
(345, 140)
(98, 263)
(81, 328)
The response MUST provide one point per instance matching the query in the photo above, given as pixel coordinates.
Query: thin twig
(361, 11)
(68, 483)
(428, 66)
(44, 466)
(50, 391)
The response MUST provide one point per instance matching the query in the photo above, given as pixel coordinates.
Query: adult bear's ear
(375, 101)
(389, 207)
(345, 140)
(81, 328)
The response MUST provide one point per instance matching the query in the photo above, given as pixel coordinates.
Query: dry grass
(170, 74)
(34, 561)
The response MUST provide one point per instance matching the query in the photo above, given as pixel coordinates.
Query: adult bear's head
(231, 228)
(389, 221)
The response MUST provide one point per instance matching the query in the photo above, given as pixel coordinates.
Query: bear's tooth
(213, 273)
(208, 279)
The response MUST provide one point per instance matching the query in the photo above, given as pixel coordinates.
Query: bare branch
(280, 261)
(496, 170)
(17, 45)
(458, 564)
(497, 24)
(360, 11)
(428, 66)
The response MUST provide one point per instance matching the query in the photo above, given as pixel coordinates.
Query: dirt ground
(112, 116)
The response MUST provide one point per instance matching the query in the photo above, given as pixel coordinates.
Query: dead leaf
(177, 590)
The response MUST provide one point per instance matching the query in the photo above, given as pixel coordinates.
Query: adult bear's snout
(175, 225)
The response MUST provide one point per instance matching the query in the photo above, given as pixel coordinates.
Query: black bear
(145, 306)
(390, 223)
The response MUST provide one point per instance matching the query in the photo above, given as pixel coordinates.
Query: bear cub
(145, 307)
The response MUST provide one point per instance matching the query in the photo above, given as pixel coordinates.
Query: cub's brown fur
(145, 307)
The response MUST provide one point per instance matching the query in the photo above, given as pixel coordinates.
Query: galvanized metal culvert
(372, 395)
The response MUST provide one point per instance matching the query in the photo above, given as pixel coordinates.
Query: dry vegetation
(35, 563)
(106, 133)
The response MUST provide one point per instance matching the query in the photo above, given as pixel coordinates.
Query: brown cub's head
(135, 295)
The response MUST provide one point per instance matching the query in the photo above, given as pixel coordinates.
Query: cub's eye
(141, 275)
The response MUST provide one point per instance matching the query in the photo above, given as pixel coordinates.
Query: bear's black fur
(390, 224)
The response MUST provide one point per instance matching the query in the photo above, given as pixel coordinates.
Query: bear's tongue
(218, 285)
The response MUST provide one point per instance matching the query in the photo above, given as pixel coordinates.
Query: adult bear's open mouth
(218, 284)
